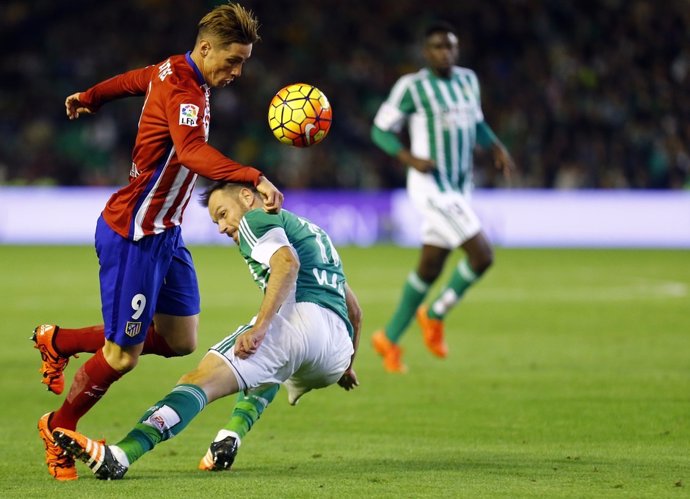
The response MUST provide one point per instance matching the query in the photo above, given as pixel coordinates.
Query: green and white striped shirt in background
(443, 115)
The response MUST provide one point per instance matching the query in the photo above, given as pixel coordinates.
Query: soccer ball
(299, 115)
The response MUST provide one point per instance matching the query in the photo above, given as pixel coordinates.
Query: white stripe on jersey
(464, 96)
(141, 212)
(398, 90)
(454, 165)
(169, 199)
(471, 85)
(420, 143)
(438, 135)
(247, 233)
(177, 216)
(468, 134)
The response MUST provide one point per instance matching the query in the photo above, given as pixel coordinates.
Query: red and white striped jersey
(170, 148)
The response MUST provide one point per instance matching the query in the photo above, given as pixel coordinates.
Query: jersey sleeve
(263, 233)
(186, 124)
(135, 82)
(386, 141)
(394, 111)
(485, 135)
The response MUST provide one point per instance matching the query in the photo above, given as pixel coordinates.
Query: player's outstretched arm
(74, 107)
(349, 378)
(284, 267)
(501, 157)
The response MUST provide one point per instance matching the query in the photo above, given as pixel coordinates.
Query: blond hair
(230, 23)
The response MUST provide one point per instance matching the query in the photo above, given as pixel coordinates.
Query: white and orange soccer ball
(299, 115)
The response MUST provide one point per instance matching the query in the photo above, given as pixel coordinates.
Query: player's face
(441, 51)
(226, 210)
(221, 65)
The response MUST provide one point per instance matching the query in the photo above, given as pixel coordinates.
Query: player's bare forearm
(354, 312)
(284, 267)
(419, 164)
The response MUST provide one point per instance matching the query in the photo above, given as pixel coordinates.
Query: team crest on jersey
(189, 114)
(132, 329)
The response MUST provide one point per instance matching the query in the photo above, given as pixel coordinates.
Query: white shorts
(306, 347)
(449, 220)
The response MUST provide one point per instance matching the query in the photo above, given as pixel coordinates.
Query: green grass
(568, 376)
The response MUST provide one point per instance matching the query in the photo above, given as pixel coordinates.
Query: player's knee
(482, 262)
(213, 377)
(126, 364)
(180, 333)
(121, 360)
(184, 346)
(194, 377)
(429, 272)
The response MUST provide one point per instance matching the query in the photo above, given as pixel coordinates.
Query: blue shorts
(140, 278)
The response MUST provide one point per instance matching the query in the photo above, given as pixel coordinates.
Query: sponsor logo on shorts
(132, 329)
(189, 114)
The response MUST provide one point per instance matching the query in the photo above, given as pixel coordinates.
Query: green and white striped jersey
(442, 116)
(320, 278)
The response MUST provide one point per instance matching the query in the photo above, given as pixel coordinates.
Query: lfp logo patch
(189, 113)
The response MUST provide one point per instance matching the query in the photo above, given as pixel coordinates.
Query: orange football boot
(432, 331)
(60, 465)
(52, 363)
(391, 353)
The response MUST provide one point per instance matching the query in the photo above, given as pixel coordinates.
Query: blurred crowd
(585, 94)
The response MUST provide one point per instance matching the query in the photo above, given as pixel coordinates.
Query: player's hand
(273, 198)
(349, 379)
(248, 342)
(423, 165)
(503, 161)
(419, 164)
(74, 107)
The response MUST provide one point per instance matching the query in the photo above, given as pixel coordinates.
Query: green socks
(163, 421)
(413, 294)
(462, 278)
(249, 407)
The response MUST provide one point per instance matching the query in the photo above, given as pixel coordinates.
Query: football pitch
(568, 376)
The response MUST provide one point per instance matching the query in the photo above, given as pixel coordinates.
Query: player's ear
(246, 197)
(204, 47)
